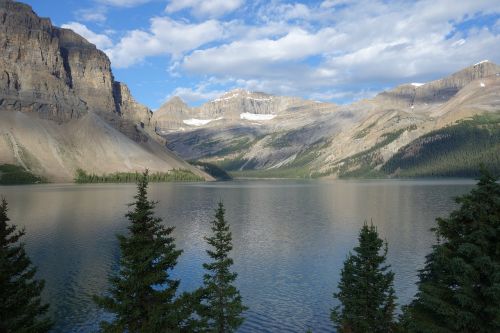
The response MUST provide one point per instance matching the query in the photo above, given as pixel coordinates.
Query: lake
(290, 239)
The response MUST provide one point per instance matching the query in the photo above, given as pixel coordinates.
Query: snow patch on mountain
(256, 116)
(199, 122)
(481, 62)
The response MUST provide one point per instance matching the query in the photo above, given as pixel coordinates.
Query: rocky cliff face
(233, 107)
(438, 91)
(61, 109)
(57, 73)
(35, 74)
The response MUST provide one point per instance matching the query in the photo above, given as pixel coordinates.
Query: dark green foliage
(456, 150)
(142, 295)
(175, 175)
(231, 164)
(21, 308)
(366, 290)
(459, 287)
(222, 307)
(17, 175)
(212, 169)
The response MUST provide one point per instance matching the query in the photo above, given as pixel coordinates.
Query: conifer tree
(459, 287)
(21, 308)
(366, 290)
(142, 295)
(222, 308)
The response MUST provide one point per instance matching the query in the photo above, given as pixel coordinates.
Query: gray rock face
(170, 115)
(35, 74)
(61, 109)
(438, 91)
(56, 72)
(233, 107)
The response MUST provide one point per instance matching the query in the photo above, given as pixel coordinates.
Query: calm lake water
(290, 239)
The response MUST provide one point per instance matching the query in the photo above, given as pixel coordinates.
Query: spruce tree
(222, 306)
(366, 290)
(142, 295)
(459, 287)
(21, 308)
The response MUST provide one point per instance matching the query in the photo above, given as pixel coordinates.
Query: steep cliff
(61, 109)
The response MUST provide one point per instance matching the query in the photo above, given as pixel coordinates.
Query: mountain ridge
(322, 137)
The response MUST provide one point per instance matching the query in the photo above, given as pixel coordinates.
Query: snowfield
(198, 122)
(256, 116)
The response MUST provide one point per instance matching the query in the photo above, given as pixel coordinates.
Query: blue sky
(329, 50)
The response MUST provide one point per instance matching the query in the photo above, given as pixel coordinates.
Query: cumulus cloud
(91, 15)
(248, 56)
(204, 8)
(334, 49)
(100, 40)
(193, 96)
(124, 3)
(165, 37)
(374, 42)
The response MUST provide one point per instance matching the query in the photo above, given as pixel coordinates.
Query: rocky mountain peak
(57, 73)
(438, 91)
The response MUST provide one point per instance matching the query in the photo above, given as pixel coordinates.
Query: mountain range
(61, 110)
(257, 134)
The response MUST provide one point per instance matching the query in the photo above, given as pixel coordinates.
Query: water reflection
(290, 239)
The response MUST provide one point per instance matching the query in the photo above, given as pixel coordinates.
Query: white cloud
(192, 96)
(248, 56)
(284, 11)
(100, 40)
(204, 8)
(367, 42)
(91, 15)
(124, 3)
(165, 37)
(333, 3)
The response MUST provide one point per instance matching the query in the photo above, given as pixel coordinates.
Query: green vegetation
(363, 164)
(366, 291)
(234, 146)
(280, 140)
(16, 175)
(273, 173)
(212, 169)
(364, 132)
(459, 287)
(142, 295)
(175, 175)
(21, 308)
(222, 305)
(456, 150)
(230, 164)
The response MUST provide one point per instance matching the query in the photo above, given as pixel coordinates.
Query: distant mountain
(257, 134)
(61, 109)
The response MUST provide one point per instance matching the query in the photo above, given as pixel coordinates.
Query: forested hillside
(456, 150)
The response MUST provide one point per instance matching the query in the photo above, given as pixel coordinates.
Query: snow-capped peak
(481, 62)
(416, 84)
